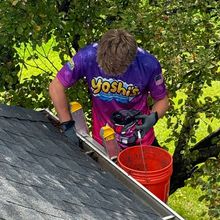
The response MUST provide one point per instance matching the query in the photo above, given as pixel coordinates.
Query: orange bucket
(152, 167)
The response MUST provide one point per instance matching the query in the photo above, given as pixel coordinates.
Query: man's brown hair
(116, 51)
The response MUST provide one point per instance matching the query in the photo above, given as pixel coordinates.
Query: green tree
(183, 35)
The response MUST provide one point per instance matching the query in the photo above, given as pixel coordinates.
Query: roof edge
(95, 150)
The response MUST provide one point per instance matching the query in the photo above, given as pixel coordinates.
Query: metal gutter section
(97, 151)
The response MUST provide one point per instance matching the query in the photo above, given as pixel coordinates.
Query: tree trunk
(184, 167)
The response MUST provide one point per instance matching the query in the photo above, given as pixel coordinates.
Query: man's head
(116, 51)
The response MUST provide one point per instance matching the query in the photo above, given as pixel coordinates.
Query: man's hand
(68, 129)
(148, 121)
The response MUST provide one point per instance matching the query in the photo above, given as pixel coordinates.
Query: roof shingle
(42, 176)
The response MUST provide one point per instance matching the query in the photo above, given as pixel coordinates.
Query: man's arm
(161, 106)
(59, 99)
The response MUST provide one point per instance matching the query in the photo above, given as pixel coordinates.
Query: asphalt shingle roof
(42, 176)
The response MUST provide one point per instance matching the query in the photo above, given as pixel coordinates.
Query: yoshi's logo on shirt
(111, 89)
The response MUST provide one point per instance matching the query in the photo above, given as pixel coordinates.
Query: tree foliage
(183, 35)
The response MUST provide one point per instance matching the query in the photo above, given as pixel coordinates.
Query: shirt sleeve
(71, 71)
(157, 87)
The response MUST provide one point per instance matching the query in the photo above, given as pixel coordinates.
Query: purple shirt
(109, 94)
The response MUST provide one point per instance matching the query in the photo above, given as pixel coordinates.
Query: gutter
(94, 149)
(97, 152)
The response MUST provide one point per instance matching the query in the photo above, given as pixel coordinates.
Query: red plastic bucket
(158, 165)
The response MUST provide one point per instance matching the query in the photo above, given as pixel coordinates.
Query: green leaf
(180, 101)
(20, 29)
(209, 129)
(193, 140)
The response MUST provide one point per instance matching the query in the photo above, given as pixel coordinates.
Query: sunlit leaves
(208, 177)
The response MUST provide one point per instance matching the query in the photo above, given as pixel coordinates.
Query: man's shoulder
(89, 49)
(143, 54)
(87, 54)
(146, 58)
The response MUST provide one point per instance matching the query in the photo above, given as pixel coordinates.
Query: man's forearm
(161, 106)
(59, 99)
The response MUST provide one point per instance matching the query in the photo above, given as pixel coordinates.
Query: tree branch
(184, 167)
(208, 147)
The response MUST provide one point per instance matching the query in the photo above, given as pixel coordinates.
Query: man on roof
(121, 77)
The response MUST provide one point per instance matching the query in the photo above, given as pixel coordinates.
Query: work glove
(68, 129)
(148, 121)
